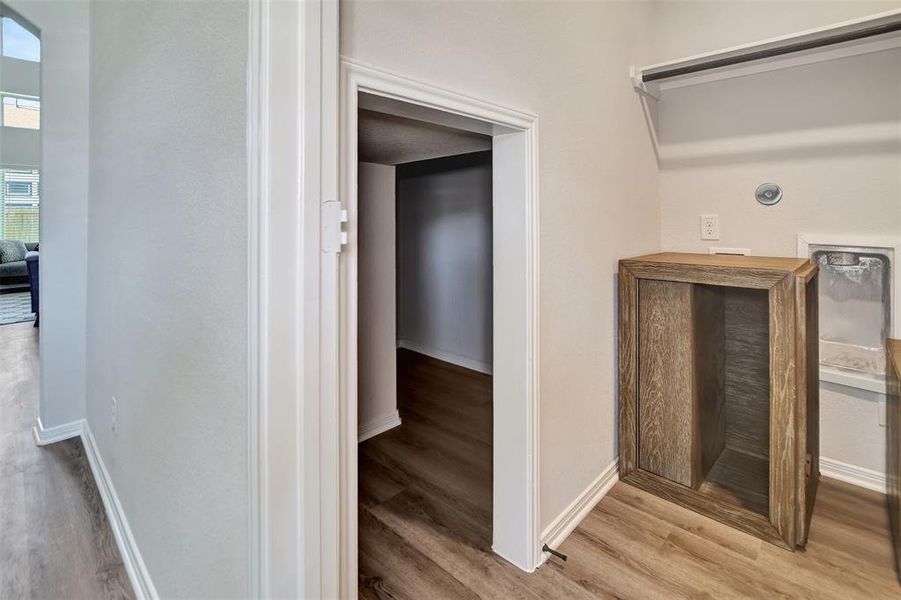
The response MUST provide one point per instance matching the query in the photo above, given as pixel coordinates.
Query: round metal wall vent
(768, 193)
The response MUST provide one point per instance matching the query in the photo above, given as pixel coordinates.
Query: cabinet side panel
(811, 391)
(783, 419)
(628, 374)
(665, 379)
(893, 446)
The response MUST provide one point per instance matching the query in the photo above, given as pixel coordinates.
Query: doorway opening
(424, 345)
(509, 161)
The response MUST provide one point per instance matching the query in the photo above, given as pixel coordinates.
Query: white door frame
(292, 160)
(516, 532)
(301, 431)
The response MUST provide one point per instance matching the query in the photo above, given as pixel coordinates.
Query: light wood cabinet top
(761, 272)
(729, 261)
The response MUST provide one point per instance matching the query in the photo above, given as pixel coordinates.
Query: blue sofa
(31, 262)
(16, 273)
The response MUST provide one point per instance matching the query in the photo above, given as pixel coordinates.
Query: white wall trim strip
(257, 299)
(572, 515)
(859, 476)
(134, 565)
(449, 357)
(379, 425)
(515, 525)
(50, 435)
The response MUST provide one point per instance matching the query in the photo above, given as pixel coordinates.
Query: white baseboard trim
(131, 557)
(377, 426)
(859, 476)
(134, 565)
(450, 357)
(50, 435)
(572, 515)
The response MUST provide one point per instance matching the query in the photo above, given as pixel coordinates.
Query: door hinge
(332, 218)
(808, 461)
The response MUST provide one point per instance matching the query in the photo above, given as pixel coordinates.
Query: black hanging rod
(740, 58)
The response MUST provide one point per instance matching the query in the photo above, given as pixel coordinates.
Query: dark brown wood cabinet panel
(748, 371)
(893, 446)
(719, 389)
(809, 402)
(709, 369)
(681, 378)
(665, 409)
(783, 410)
(628, 370)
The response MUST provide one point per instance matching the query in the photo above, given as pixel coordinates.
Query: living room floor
(15, 307)
(55, 540)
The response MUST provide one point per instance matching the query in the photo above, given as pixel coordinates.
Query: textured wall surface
(444, 264)
(568, 64)
(64, 203)
(377, 343)
(167, 281)
(828, 133)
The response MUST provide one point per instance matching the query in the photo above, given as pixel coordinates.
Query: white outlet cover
(710, 227)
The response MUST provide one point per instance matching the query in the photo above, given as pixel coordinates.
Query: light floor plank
(425, 523)
(55, 540)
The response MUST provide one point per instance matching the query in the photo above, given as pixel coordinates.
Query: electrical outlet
(710, 227)
(114, 414)
(881, 416)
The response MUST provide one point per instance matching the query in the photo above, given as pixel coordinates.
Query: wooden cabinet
(719, 395)
(893, 444)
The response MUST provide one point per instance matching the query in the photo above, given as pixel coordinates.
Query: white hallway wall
(377, 354)
(435, 297)
(829, 134)
(64, 29)
(167, 284)
(566, 63)
(444, 265)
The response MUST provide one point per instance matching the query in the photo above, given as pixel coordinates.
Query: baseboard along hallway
(55, 539)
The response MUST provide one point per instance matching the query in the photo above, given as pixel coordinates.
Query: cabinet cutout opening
(704, 389)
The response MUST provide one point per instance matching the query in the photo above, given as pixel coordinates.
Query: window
(21, 112)
(19, 42)
(21, 204)
(18, 188)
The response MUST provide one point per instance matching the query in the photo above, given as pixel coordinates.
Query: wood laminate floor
(55, 541)
(425, 523)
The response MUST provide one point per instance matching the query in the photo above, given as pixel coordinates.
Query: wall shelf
(874, 33)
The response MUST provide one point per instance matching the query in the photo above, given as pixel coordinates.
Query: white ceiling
(391, 140)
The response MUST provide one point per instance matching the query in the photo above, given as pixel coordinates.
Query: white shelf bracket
(647, 90)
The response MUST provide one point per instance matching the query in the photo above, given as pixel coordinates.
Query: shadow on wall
(444, 258)
(850, 106)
